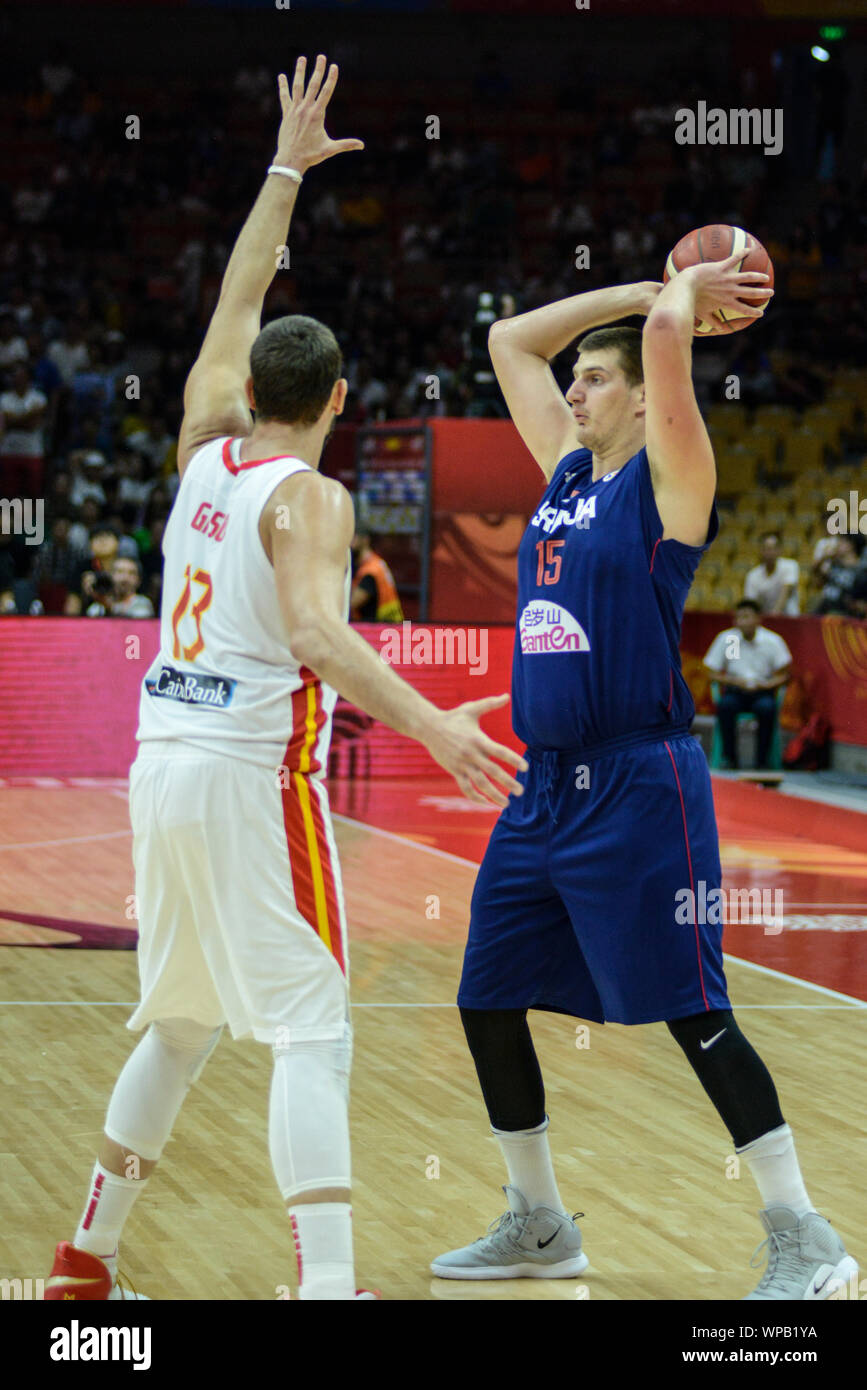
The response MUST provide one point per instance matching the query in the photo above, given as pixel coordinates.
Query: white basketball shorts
(240, 902)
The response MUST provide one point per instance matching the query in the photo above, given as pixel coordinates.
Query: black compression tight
(734, 1076)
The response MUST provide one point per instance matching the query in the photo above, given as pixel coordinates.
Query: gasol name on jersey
(188, 688)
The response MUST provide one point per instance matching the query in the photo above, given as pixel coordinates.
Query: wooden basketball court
(638, 1147)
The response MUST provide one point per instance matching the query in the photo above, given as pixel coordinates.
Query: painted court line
(69, 840)
(853, 1007)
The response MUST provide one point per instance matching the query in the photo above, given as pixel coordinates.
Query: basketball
(715, 243)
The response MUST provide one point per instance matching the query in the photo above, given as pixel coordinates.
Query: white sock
(323, 1246)
(108, 1205)
(774, 1165)
(528, 1159)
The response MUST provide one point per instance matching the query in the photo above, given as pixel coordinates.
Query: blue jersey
(600, 607)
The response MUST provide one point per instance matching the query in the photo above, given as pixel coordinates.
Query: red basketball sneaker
(76, 1274)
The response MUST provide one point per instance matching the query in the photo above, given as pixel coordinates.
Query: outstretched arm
(309, 560)
(522, 347)
(215, 396)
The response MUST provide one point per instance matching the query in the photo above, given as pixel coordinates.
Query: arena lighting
(820, 54)
(830, 32)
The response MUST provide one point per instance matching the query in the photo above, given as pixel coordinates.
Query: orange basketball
(715, 243)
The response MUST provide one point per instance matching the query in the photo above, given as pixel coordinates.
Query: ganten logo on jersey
(549, 518)
(547, 627)
(188, 689)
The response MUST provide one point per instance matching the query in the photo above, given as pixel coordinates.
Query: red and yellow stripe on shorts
(309, 853)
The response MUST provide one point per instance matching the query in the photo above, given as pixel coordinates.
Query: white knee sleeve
(151, 1088)
(309, 1112)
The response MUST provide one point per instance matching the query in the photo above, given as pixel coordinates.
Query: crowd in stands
(112, 250)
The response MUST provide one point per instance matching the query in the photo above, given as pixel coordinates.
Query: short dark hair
(627, 344)
(748, 603)
(294, 363)
(131, 559)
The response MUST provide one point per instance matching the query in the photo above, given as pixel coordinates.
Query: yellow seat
(777, 418)
(764, 443)
(736, 470)
(726, 420)
(802, 449)
(724, 596)
(828, 423)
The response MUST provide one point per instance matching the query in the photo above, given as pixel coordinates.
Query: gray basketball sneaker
(807, 1260)
(521, 1244)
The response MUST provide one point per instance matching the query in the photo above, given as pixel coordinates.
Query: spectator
(13, 348)
(69, 352)
(751, 663)
(774, 582)
(374, 597)
(22, 449)
(59, 566)
(45, 375)
(152, 560)
(55, 72)
(86, 517)
(100, 592)
(845, 588)
(126, 574)
(120, 522)
(370, 393)
(132, 487)
(17, 591)
(823, 556)
(88, 468)
(103, 551)
(93, 390)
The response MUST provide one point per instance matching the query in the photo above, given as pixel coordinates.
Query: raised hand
(721, 285)
(303, 140)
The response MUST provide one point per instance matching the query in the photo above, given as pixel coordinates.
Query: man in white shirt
(751, 663)
(22, 451)
(69, 352)
(774, 583)
(13, 347)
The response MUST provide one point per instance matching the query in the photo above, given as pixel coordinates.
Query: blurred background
(500, 139)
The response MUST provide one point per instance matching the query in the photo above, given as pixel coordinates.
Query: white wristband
(284, 169)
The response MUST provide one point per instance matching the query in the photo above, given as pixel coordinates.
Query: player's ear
(248, 390)
(641, 402)
(338, 395)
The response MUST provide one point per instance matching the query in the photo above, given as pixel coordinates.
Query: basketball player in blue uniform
(579, 903)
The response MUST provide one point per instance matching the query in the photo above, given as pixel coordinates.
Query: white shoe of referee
(521, 1244)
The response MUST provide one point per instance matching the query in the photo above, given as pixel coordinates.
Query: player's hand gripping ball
(716, 243)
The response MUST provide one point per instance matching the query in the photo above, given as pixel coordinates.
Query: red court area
(813, 854)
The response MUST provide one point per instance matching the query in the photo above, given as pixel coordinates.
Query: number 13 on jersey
(202, 578)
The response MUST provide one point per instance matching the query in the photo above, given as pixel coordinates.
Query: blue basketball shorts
(582, 903)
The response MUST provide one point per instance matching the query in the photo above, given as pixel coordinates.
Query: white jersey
(225, 679)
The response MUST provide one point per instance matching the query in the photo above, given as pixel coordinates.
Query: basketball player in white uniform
(241, 915)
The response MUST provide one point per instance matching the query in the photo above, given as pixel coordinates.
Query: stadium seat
(802, 449)
(736, 470)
